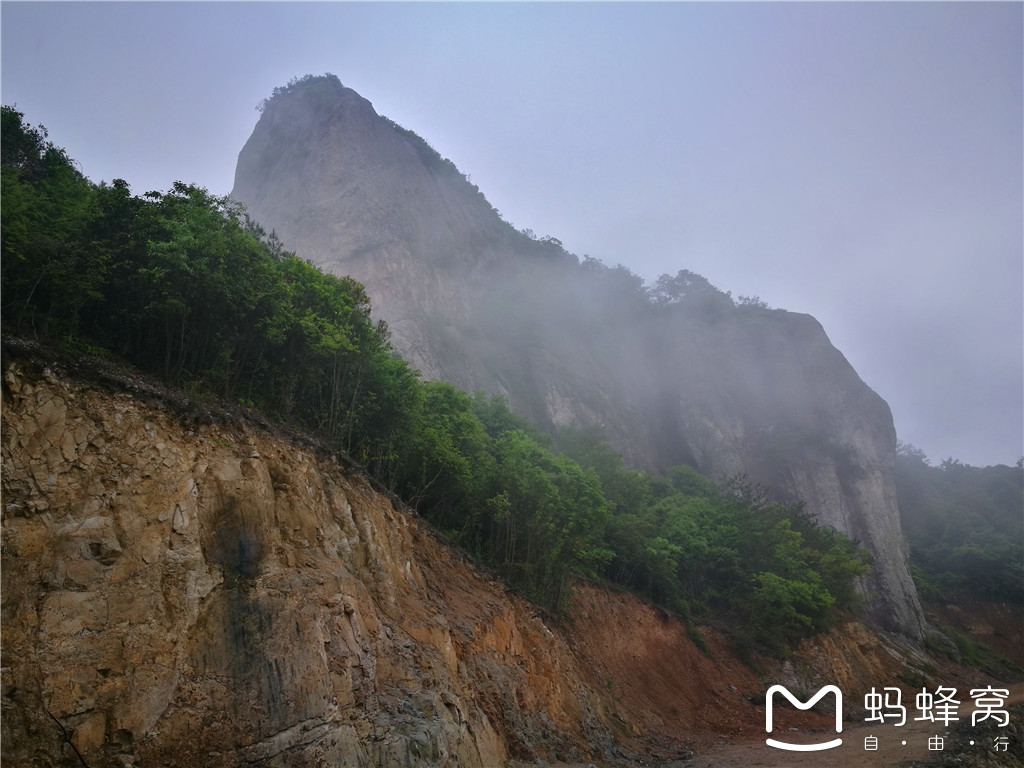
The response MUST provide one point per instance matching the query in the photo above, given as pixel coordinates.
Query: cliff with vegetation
(186, 288)
(672, 373)
(183, 587)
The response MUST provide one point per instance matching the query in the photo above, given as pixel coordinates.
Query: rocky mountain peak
(316, 135)
(694, 379)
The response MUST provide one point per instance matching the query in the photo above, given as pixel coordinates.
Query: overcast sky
(858, 162)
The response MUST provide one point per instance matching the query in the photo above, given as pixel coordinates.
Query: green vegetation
(721, 550)
(314, 86)
(184, 286)
(964, 525)
(431, 157)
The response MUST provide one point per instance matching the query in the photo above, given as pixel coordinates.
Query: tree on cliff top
(313, 84)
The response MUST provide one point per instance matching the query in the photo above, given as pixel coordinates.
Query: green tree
(964, 527)
(50, 271)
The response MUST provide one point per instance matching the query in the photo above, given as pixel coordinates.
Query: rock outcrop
(213, 597)
(183, 593)
(472, 301)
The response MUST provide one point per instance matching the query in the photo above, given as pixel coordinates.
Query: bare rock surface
(211, 597)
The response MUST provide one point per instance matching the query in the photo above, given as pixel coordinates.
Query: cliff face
(471, 301)
(362, 195)
(212, 597)
(765, 394)
(182, 594)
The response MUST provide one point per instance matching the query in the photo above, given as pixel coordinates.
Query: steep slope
(180, 593)
(183, 595)
(472, 301)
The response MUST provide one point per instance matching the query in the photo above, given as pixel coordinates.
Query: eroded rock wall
(210, 596)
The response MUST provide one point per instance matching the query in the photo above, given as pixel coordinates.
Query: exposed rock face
(767, 395)
(179, 595)
(472, 301)
(212, 597)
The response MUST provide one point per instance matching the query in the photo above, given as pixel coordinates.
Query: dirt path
(891, 752)
(852, 754)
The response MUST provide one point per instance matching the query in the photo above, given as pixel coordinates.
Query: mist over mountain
(674, 373)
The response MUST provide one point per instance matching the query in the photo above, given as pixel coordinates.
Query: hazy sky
(859, 162)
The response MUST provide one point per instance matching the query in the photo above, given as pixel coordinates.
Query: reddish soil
(667, 693)
(681, 707)
(1000, 626)
(852, 754)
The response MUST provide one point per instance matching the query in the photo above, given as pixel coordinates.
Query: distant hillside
(965, 526)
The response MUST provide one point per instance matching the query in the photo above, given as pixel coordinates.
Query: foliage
(706, 549)
(310, 84)
(964, 527)
(685, 291)
(671, 289)
(46, 204)
(751, 302)
(182, 285)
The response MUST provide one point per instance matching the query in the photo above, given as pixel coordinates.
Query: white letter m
(800, 705)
